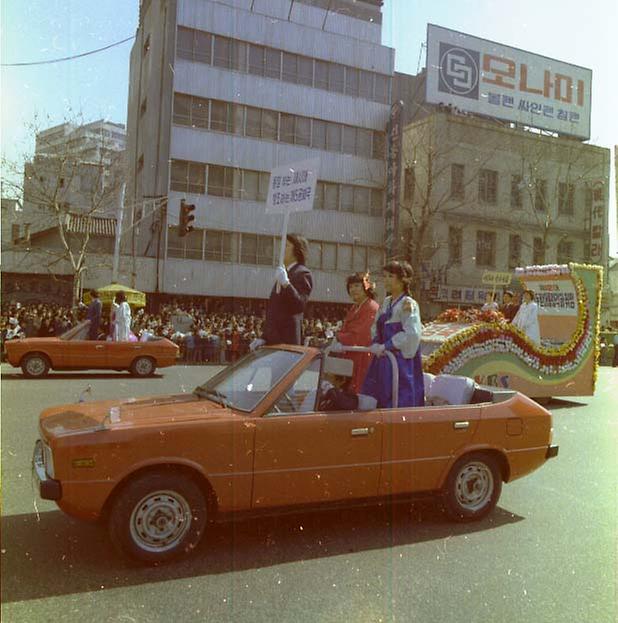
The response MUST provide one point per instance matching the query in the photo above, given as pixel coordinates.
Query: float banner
(488, 78)
(554, 298)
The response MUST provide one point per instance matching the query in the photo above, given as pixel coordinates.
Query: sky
(97, 86)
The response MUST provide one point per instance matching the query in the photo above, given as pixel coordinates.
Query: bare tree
(70, 181)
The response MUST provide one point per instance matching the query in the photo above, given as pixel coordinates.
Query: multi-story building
(221, 92)
(478, 195)
(71, 193)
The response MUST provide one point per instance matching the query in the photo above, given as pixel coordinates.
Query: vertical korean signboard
(488, 78)
(393, 180)
(597, 223)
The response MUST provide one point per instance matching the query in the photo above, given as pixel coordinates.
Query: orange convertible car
(254, 439)
(73, 351)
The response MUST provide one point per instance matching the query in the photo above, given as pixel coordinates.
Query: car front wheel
(473, 487)
(158, 517)
(35, 366)
(143, 366)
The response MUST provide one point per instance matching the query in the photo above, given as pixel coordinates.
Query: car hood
(165, 410)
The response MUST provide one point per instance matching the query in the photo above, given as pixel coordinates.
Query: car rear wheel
(157, 517)
(35, 366)
(473, 487)
(143, 366)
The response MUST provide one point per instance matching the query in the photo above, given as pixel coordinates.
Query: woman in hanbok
(356, 329)
(527, 317)
(397, 328)
(122, 319)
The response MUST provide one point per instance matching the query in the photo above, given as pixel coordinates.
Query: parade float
(487, 348)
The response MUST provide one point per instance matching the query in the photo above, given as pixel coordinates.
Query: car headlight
(48, 460)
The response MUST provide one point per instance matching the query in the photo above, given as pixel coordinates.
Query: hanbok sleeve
(407, 341)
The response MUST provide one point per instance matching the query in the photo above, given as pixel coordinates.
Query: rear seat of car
(460, 390)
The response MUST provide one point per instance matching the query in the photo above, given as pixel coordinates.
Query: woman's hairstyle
(364, 279)
(94, 294)
(403, 272)
(530, 292)
(120, 297)
(301, 247)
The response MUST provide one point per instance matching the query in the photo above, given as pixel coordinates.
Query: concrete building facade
(223, 92)
(478, 195)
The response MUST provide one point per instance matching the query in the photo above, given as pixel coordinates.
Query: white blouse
(407, 312)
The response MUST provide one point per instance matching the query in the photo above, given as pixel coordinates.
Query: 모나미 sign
(292, 187)
(488, 78)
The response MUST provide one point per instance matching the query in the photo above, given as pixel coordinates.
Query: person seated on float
(356, 329)
(527, 318)
(490, 302)
(509, 307)
(397, 328)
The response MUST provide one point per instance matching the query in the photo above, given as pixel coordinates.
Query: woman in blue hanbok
(397, 328)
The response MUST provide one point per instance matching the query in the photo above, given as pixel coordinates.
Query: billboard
(487, 78)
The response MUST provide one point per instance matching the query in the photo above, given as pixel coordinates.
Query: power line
(68, 58)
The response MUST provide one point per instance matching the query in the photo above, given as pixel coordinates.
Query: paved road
(548, 553)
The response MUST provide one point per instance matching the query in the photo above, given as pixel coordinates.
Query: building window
(409, 184)
(184, 43)
(375, 259)
(272, 63)
(289, 67)
(359, 258)
(457, 181)
(270, 121)
(486, 248)
(318, 134)
(538, 251)
(516, 196)
(331, 197)
(223, 52)
(253, 124)
(220, 116)
(347, 198)
(349, 140)
(321, 75)
(188, 177)
(202, 47)
(566, 198)
(514, 251)
(256, 60)
(382, 88)
(362, 199)
(365, 87)
(488, 186)
(333, 137)
(314, 260)
(540, 195)
(455, 239)
(220, 181)
(187, 247)
(336, 75)
(363, 143)
(344, 257)
(220, 246)
(329, 256)
(182, 109)
(302, 131)
(565, 252)
(305, 70)
(351, 81)
(318, 201)
(377, 202)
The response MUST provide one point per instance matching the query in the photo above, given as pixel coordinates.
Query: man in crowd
(94, 315)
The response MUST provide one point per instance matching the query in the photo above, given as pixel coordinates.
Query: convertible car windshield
(244, 385)
(78, 332)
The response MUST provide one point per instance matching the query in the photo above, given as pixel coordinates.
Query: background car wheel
(157, 517)
(143, 366)
(35, 365)
(473, 487)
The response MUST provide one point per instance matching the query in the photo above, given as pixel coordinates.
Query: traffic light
(186, 218)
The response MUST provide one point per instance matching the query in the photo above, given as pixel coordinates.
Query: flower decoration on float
(485, 338)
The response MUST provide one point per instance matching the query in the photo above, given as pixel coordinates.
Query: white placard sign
(488, 78)
(292, 187)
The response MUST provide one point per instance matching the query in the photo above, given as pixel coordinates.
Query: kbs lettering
(503, 72)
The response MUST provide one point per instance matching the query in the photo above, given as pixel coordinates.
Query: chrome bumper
(552, 451)
(49, 489)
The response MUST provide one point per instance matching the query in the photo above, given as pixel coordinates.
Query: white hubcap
(474, 486)
(35, 366)
(143, 366)
(160, 521)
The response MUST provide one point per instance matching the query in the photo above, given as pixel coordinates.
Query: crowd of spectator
(203, 336)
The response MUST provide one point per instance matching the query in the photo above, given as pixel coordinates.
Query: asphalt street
(547, 554)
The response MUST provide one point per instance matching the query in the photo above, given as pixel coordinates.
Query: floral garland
(486, 338)
(472, 314)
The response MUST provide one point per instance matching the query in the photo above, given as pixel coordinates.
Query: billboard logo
(459, 71)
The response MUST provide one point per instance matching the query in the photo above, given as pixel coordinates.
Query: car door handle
(461, 425)
(99, 347)
(360, 432)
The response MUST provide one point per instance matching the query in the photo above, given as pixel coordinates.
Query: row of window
(220, 181)
(225, 246)
(487, 189)
(267, 124)
(486, 249)
(252, 58)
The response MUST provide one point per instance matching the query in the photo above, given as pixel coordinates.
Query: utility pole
(118, 235)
